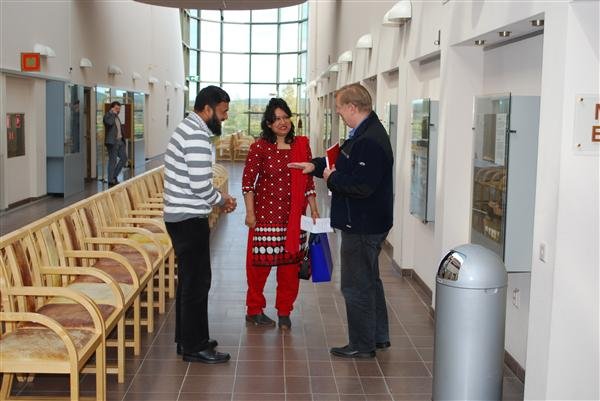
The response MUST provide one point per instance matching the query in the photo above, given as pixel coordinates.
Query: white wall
(554, 333)
(134, 36)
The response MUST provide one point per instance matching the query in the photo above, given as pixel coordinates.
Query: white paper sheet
(323, 225)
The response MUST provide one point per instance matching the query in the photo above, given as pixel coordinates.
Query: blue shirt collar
(353, 130)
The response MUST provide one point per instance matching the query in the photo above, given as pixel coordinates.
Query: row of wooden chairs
(234, 147)
(71, 282)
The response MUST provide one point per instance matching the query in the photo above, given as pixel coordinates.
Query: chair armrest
(108, 255)
(121, 241)
(81, 299)
(87, 271)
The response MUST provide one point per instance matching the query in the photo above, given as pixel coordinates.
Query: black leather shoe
(211, 344)
(385, 344)
(260, 320)
(208, 355)
(347, 352)
(285, 323)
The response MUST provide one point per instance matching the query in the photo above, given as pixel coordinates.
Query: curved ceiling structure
(223, 4)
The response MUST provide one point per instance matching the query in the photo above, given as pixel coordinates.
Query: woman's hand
(315, 215)
(250, 219)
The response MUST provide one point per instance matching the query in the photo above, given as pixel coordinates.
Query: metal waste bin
(470, 310)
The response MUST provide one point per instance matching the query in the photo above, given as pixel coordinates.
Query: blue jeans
(363, 290)
(116, 150)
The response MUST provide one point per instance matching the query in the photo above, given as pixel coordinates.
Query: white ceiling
(223, 4)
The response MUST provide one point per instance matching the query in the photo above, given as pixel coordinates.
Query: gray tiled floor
(267, 364)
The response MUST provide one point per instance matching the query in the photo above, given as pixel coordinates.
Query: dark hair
(269, 118)
(115, 103)
(212, 96)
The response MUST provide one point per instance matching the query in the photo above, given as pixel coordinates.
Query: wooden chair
(37, 337)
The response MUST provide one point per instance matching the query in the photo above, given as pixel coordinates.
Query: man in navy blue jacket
(362, 208)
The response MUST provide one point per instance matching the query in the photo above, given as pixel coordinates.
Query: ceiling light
(167, 84)
(365, 42)
(480, 42)
(135, 76)
(504, 34)
(44, 50)
(537, 22)
(345, 57)
(114, 69)
(152, 80)
(85, 63)
(398, 14)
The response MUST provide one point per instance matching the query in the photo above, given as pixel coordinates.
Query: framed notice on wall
(15, 134)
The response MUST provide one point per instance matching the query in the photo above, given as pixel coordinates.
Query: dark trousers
(116, 150)
(363, 290)
(190, 240)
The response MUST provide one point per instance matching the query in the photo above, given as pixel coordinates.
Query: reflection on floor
(269, 365)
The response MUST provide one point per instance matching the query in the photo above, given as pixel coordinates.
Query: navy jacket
(362, 193)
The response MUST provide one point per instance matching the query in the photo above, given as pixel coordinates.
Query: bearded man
(189, 197)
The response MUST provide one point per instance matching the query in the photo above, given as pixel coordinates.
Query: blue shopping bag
(320, 257)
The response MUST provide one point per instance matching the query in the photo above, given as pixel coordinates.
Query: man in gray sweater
(189, 197)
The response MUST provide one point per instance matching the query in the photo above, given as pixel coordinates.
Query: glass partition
(419, 161)
(490, 157)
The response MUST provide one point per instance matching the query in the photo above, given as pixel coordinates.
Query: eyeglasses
(279, 120)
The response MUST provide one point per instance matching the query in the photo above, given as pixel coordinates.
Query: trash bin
(470, 310)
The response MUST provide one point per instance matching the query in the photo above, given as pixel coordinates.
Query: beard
(214, 124)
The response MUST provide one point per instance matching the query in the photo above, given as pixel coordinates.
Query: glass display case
(423, 159)
(504, 176)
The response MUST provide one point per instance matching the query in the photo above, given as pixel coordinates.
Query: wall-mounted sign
(15, 134)
(30, 62)
(586, 133)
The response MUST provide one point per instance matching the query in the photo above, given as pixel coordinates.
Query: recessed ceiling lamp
(537, 22)
(114, 69)
(152, 80)
(43, 50)
(504, 34)
(85, 63)
(480, 42)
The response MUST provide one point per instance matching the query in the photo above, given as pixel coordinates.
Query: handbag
(321, 264)
(304, 273)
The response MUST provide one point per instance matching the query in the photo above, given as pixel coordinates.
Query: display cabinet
(423, 158)
(504, 176)
(65, 162)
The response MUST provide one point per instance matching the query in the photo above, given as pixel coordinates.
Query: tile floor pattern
(267, 364)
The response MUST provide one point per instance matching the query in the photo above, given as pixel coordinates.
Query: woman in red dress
(275, 197)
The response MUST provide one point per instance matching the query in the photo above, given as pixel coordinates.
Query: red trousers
(287, 288)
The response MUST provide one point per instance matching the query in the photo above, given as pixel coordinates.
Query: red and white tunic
(267, 175)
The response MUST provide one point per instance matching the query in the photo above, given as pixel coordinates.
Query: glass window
(264, 38)
(192, 92)
(264, 15)
(203, 85)
(210, 36)
(238, 108)
(211, 15)
(193, 63)
(193, 13)
(236, 38)
(236, 67)
(304, 11)
(264, 68)
(289, 38)
(210, 67)
(289, 94)
(303, 36)
(289, 13)
(236, 16)
(302, 73)
(194, 33)
(288, 67)
(260, 95)
(255, 120)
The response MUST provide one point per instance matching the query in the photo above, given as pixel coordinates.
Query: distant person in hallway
(188, 198)
(114, 142)
(275, 198)
(362, 209)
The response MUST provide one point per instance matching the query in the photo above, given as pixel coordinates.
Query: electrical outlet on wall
(516, 298)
